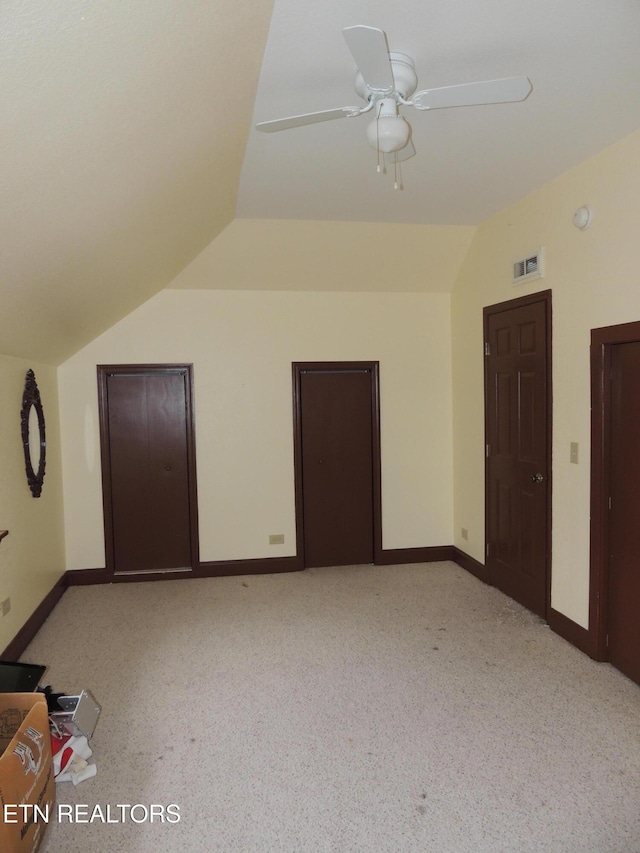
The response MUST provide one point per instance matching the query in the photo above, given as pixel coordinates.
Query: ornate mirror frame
(31, 398)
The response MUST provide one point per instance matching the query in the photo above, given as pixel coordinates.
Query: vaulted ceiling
(125, 127)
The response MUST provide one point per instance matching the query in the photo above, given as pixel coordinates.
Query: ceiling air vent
(528, 268)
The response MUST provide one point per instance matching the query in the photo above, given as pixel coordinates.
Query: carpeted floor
(404, 708)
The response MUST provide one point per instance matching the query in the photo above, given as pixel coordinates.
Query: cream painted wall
(32, 555)
(595, 282)
(242, 344)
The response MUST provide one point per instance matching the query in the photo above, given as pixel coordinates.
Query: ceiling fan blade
(504, 91)
(369, 48)
(306, 118)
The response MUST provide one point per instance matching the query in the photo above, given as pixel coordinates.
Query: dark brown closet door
(337, 467)
(148, 469)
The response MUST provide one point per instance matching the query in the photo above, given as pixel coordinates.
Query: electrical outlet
(573, 452)
(276, 539)
(6, 606)
(465, 533)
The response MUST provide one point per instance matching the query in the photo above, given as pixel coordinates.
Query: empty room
(317, 446)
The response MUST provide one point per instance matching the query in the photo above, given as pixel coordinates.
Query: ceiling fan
(387, 80)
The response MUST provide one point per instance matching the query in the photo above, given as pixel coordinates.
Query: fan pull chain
(397, 184)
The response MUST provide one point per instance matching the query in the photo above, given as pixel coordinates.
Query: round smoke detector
(582, 217)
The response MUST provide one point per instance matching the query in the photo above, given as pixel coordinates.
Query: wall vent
(529, 268)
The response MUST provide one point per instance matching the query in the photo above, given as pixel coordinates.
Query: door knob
(537, 478)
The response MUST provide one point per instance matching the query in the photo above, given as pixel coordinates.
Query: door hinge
(487, 450)
(488, 549)
(487, 348)
(609, 502)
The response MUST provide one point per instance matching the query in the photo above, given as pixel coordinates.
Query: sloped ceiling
(124, 126)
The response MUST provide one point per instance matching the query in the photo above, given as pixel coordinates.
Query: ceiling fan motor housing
(404, 78)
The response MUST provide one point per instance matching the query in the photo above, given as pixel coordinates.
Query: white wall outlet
(276, 539)
(465, 533)
(573, 453)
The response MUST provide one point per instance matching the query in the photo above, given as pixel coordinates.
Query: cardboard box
(27, 786)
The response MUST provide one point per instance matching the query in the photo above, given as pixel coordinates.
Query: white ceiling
(124, 127)
(582, 57)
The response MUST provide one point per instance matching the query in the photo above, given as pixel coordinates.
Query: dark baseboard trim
(81, 577)
(470, 564)
(572, 632)
(397, 556)
(37, 619)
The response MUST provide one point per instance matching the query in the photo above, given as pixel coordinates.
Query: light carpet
(364, 708)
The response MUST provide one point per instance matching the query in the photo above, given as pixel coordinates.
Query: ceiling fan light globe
(388, 133)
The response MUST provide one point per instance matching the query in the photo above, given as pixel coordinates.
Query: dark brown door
(336, 414)
(518, 437)
(624, 526)
(148, 473)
